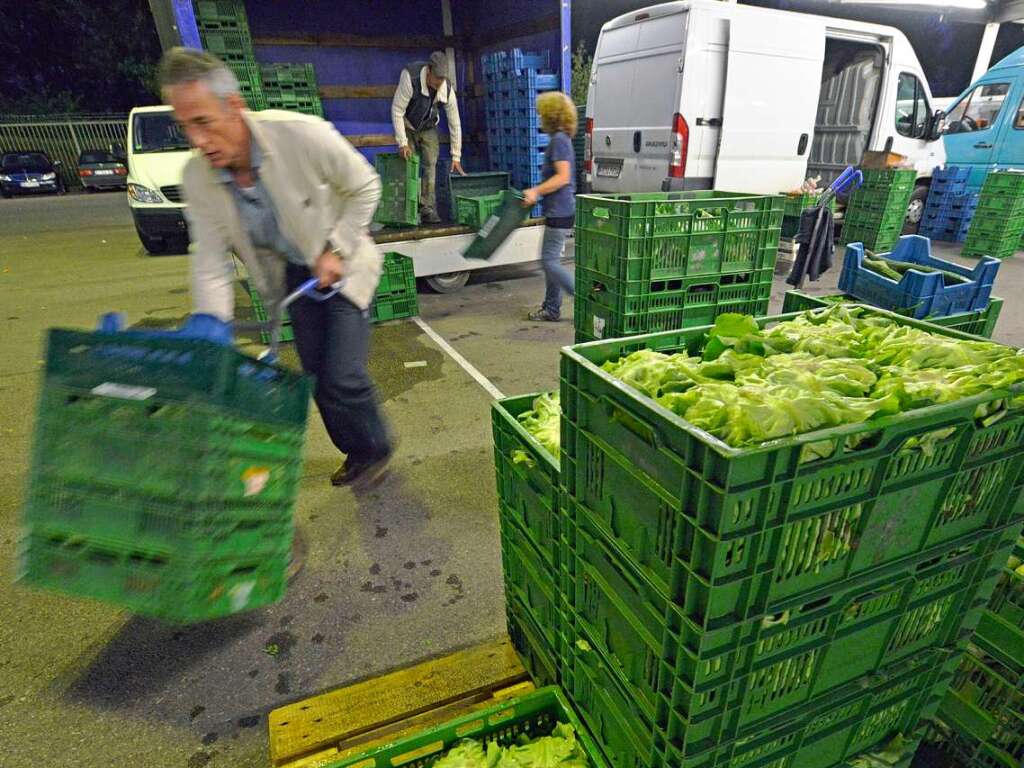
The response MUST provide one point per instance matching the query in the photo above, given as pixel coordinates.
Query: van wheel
(448, 283)
(915, 210)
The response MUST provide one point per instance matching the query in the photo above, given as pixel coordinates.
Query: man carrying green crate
(293, 199)
(422, 86)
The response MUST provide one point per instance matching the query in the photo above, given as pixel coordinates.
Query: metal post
(988, 44)
(449, 31)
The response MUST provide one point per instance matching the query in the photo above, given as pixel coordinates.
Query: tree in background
(581, 64)
(64, 56)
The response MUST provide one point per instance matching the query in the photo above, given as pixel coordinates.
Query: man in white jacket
(293, 199)
(422, 87)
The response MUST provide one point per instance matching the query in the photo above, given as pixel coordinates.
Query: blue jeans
(556, 277)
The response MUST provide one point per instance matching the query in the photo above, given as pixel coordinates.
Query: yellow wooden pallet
(344, 722)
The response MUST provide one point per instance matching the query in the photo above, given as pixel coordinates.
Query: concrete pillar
(988, 43)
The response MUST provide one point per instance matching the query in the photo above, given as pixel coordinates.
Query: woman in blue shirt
(557, 191)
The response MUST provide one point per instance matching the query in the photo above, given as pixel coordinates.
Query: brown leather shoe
(362, 475)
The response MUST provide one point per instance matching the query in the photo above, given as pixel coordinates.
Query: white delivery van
(704, 94)
(157, 153)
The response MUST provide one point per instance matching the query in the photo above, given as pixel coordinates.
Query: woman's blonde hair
(557, 113)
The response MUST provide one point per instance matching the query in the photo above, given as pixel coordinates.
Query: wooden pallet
(347, 721)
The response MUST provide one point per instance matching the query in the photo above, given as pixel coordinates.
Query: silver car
(100, 169)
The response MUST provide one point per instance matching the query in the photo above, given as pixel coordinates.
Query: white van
(705, 94)
(157, 153)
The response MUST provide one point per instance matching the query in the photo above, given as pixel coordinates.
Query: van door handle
(801, 146)
(983, 145)
(714, 122)
(636, 141)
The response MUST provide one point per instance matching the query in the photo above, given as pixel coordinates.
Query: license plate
(104, 173)
(29, 184)
(609, 170)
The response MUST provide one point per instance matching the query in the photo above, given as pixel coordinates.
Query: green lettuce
(543, 421)
(559, 749)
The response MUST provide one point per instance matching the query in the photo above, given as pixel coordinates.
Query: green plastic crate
(531, 581)
(484, 183)
(400, 192)
(220, 14)
(290, 77)
(541, 661)
(631, 461)
(288, 100)
(397, 274)
(527, 477)
(1001, 631)
(532, 715)
(889, 178)
(706, 686)
(474, 211)
(986, 706)
(149, 583)
(608, 309)
(979, 323)
(984, 244)
(860, 717)
(1004, 182)
(249, 84)
(997, 205)
(232, 46)
(651, 236)
(795, 204)
(876, 240)
(259, 312)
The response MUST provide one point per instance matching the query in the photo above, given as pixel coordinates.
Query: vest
(422, 110)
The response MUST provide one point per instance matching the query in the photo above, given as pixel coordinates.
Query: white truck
(703, 94)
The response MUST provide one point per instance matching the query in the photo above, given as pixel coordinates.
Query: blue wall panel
(327, 17)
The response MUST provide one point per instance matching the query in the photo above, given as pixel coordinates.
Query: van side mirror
(936, 126)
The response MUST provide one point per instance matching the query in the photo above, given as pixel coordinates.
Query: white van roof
(156, 108)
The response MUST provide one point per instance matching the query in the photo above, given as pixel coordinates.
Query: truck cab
(157, 153)
(701, 94)
(984, 127)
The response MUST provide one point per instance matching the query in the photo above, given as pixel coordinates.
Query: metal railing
(63, 139)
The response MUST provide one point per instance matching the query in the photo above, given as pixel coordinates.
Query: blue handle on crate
(847, 179)
(309, 289)
(201, 327)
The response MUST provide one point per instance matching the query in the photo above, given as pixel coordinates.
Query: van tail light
(83, 172)
(121, 170)
(588, 147)
(680, 147)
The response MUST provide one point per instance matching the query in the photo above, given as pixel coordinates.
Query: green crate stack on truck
(979, 323)
(724, 607)
(998, 223)
(981, 720)
(164, 471)
(224, 31)
(876, 210)
(400, 190)
(649, 262)
(292, 87)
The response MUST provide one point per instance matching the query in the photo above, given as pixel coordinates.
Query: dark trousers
(333, 342)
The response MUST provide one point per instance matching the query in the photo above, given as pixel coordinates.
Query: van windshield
(157, 132)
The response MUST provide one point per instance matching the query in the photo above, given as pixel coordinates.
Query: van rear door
(773, 78)
(633, 98)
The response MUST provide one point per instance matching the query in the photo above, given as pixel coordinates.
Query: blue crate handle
(851, 177)
(309, 290)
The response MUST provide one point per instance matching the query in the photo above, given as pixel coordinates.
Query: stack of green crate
(400, 190)
(224, 32)
(998, 222)
(649, 262)
(164, 471)
(292, 87)
(796, 204)
(396, 291)
(728, 607)
(261, 315)
(876, 211)
(982, 717)
(979, 323)
(474, 211)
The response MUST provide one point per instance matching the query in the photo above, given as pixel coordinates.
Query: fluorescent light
(973, 5)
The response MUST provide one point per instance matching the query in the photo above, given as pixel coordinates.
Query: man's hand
(530, 197)
(405, 151)
(457, 167)
(328, 268)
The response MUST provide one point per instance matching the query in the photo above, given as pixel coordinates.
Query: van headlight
(141, 194)
(49, 176)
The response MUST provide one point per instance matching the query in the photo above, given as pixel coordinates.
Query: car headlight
(49, 176)
(141, 194)
(4, 177)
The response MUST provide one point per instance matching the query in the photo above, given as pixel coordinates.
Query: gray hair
(187, 65)
(439, 65)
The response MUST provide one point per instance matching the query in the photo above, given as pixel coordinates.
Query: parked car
(157, 153)
(26, 173)
(100, 169)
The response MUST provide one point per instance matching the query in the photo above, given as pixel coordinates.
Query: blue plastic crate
(951, 173)
(943, 187)
(529, 59)
(924, 293)
(530, 82)
(526, 122)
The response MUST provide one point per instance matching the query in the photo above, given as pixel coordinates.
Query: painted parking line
(467, 366)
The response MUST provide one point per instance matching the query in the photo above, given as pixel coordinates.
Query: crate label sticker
(123, 391)
(255, 480)
(598, 327)
(240, 594)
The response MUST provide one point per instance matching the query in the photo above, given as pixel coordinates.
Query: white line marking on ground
(467, 366)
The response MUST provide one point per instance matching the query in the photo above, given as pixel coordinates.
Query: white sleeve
(451, 109)
(213, 277)
(403, 94)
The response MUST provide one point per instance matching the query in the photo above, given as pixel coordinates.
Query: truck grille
(172, 193)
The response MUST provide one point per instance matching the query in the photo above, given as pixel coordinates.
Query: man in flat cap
(424, 87)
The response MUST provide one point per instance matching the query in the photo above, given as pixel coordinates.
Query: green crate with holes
(652, 236)
(1001, 631)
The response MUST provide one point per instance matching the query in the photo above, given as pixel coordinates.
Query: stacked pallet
(998, 222)
(950, 206)
(170, 492)
(876, 210)
(650, 262)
